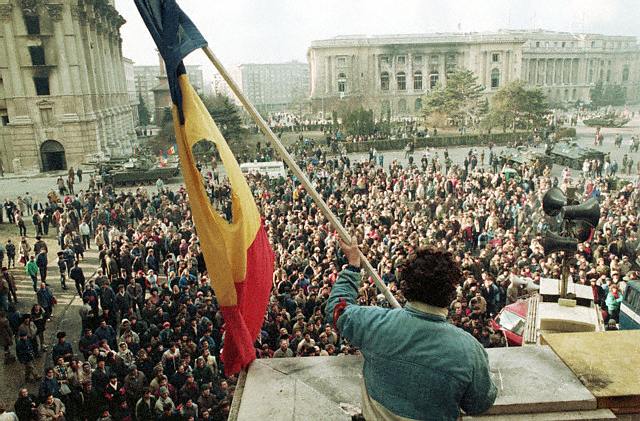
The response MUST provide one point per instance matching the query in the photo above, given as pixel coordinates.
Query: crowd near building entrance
(53, 156)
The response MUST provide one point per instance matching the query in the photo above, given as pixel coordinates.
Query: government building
(63, 90)
(391, 74)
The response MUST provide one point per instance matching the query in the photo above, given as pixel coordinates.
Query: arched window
(342, 83)
(384, 81)
(495, 78)
(418, 105)
(625, 74)
(417, 80)
(401, 81)
(433, 80)
(402, 106)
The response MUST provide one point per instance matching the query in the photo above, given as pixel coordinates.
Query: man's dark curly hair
(431, 276)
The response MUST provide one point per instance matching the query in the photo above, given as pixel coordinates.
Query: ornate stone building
(63, 92)
(391, 74)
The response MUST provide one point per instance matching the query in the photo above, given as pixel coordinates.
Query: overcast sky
(271, 31)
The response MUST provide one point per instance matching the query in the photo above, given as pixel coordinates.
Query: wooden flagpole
(288, 159)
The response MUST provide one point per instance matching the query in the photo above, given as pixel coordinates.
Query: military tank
(140, 171)
(522, 156)
(572, 155)
(607, 120)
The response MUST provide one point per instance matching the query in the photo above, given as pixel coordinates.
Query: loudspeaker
(588, 211)
(553, 201)
(554, 242)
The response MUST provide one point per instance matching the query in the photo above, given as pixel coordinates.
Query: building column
(507, 68)
(16, 87)
(84, 67)
(570, 60)
(484, 81)
(55, 12)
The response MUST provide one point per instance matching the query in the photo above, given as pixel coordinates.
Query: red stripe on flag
(243, 321)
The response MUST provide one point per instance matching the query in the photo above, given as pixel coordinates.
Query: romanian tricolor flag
(238, 256)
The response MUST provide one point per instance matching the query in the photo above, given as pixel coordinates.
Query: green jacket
(416, 364)
(32, 268)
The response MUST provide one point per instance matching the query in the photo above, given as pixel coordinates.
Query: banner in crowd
(237, 254)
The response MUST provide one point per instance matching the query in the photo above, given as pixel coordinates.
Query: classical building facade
(275, 86)
(391, 74)
(63, 94)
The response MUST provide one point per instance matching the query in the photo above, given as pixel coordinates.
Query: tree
(143, 112)
(517, 107)
(460, 101)
(359, 122)
(226, 116)
(602, 96)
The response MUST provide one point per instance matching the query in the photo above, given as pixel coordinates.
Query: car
(511, 321)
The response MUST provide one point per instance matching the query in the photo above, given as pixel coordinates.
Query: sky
(272, 31)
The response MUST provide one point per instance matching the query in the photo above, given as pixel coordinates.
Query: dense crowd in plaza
(151, 331)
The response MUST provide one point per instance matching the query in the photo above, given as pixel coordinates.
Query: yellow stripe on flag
(224, 244)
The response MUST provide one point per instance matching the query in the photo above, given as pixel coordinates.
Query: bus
(272, 169)
(630, 307)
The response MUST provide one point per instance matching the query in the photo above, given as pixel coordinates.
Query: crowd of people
(151, 331)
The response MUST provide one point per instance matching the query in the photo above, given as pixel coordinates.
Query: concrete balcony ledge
(533, 383)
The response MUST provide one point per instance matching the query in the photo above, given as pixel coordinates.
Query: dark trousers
(34, 279)
(43, 274)
(86, 241)
(79, 286)
(23, 229)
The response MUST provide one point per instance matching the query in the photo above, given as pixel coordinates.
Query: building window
(4, 117)
(574, 94)
(495, 57)
(563, 44)
(341, 61)
(433, 80)
(625, 74)
(495, 78)
(342, 83)
(537, 44)
(46, 114)
(593, 44)
(384, 59)
(42, 85)
(608, 75)
(37, 56)
(32, 23)
(590, 75)
(402, 106)
(417, 80)
(401, 59)
(417, 60)
(401, 81)
(384, 81)
(418, 104)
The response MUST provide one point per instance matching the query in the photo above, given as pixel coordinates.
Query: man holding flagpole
(417, 365)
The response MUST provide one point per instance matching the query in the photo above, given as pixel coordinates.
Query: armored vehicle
(138, 171)
(607, 120)
(523, 156)
(572, 155)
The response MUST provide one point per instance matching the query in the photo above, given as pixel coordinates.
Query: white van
(272, 169)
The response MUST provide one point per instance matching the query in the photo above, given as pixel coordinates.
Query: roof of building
(502, 35)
